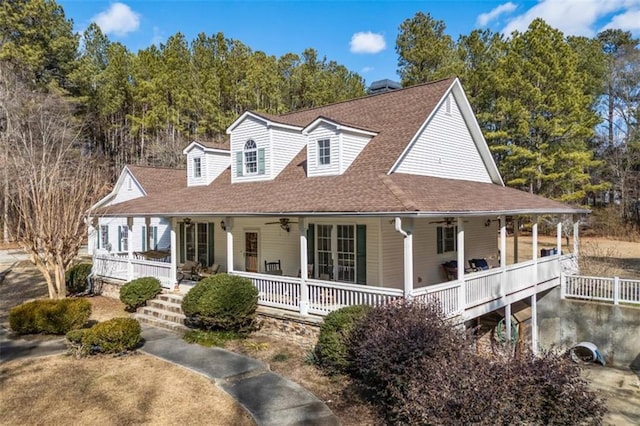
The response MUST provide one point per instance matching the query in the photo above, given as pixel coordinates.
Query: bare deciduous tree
(52, 184)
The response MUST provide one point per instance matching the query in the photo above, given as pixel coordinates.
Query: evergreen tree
(36, 36)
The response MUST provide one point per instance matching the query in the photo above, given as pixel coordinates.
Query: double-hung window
(124, 238)
(250, 157)
(446, 239)
(197, 167)
(324, 152)
(104, 237)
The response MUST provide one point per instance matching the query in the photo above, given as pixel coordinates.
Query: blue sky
(358, 34)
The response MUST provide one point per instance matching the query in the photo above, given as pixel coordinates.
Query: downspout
(408, 255)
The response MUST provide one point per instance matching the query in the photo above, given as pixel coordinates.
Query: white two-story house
(361, 201)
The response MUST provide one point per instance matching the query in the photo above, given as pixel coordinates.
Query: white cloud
(484, 18)
(572, 17)
(367, 42)
(119, 19)
(367, 69)
(627, 21)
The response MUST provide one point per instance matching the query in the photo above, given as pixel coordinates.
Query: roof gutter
(405, 214)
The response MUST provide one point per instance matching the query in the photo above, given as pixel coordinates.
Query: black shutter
(361, 254)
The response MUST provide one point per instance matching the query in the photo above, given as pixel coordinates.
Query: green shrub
(136, 293)
(76, 278)
(49, 316)
(222, 302)
(112, 336)
(331, 349)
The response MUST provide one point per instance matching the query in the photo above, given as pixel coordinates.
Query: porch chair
(273, 268)
(479, 264)
(309, 271)
(450, 269)
(188, 269)
(211, 270)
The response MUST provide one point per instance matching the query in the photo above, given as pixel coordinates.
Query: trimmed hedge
(136, 293)
(222, 302)
(331, 349)
(49, 316)
(113, 336)
(76, 278)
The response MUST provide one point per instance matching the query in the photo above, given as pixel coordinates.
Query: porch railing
(325, 296)
(445, 294)
(117, 267)
(615, 290)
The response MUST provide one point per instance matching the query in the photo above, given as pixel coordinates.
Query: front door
(251, 251)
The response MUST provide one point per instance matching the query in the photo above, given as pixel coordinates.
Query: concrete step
(165, 305)
(170, 297)
(163, 314)
(160, 323)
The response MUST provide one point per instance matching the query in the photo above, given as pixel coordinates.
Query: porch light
(187, 221)
(223, 226)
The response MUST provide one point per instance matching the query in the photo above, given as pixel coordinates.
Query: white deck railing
(445, 295)
(325, 296)
(615, 290)
(116, 266)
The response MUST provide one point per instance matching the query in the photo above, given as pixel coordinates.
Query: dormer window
(197, 167)
(250, 157)
(324, 152)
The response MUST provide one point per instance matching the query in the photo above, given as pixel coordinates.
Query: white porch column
(559, 237)
(408, 254)
(130, 248)
(503, 255)
(228, 221)
(174, 252)
(304, 290)
(147, 224)
(461, 266)
(516, 231)
(534, 237)
(534, 323)
(503, 242)
(507, 321)
(576, 236)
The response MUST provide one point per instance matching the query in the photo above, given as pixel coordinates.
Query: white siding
(250, 128)
(479, 242)
(192, 180)
(351, 146)
(445, 149)
(216, 163)
(128, 190)
(323, 131)
(135, 234)
(286, 144)
(274, 244)
(392, 255)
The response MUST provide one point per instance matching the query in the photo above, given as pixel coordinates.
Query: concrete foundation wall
(614, 329)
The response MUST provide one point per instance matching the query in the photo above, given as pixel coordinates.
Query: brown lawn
(103, 390)
(135, 389)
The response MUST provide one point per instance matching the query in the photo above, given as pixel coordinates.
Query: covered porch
(330, 262)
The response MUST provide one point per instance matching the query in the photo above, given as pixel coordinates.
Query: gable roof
(364, 188)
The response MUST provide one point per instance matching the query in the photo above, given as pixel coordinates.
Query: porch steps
(165, 311)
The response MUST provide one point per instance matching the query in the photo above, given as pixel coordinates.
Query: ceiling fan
(284, 223)
(447, 221)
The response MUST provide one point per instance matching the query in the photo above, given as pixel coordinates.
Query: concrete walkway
(269, 398)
